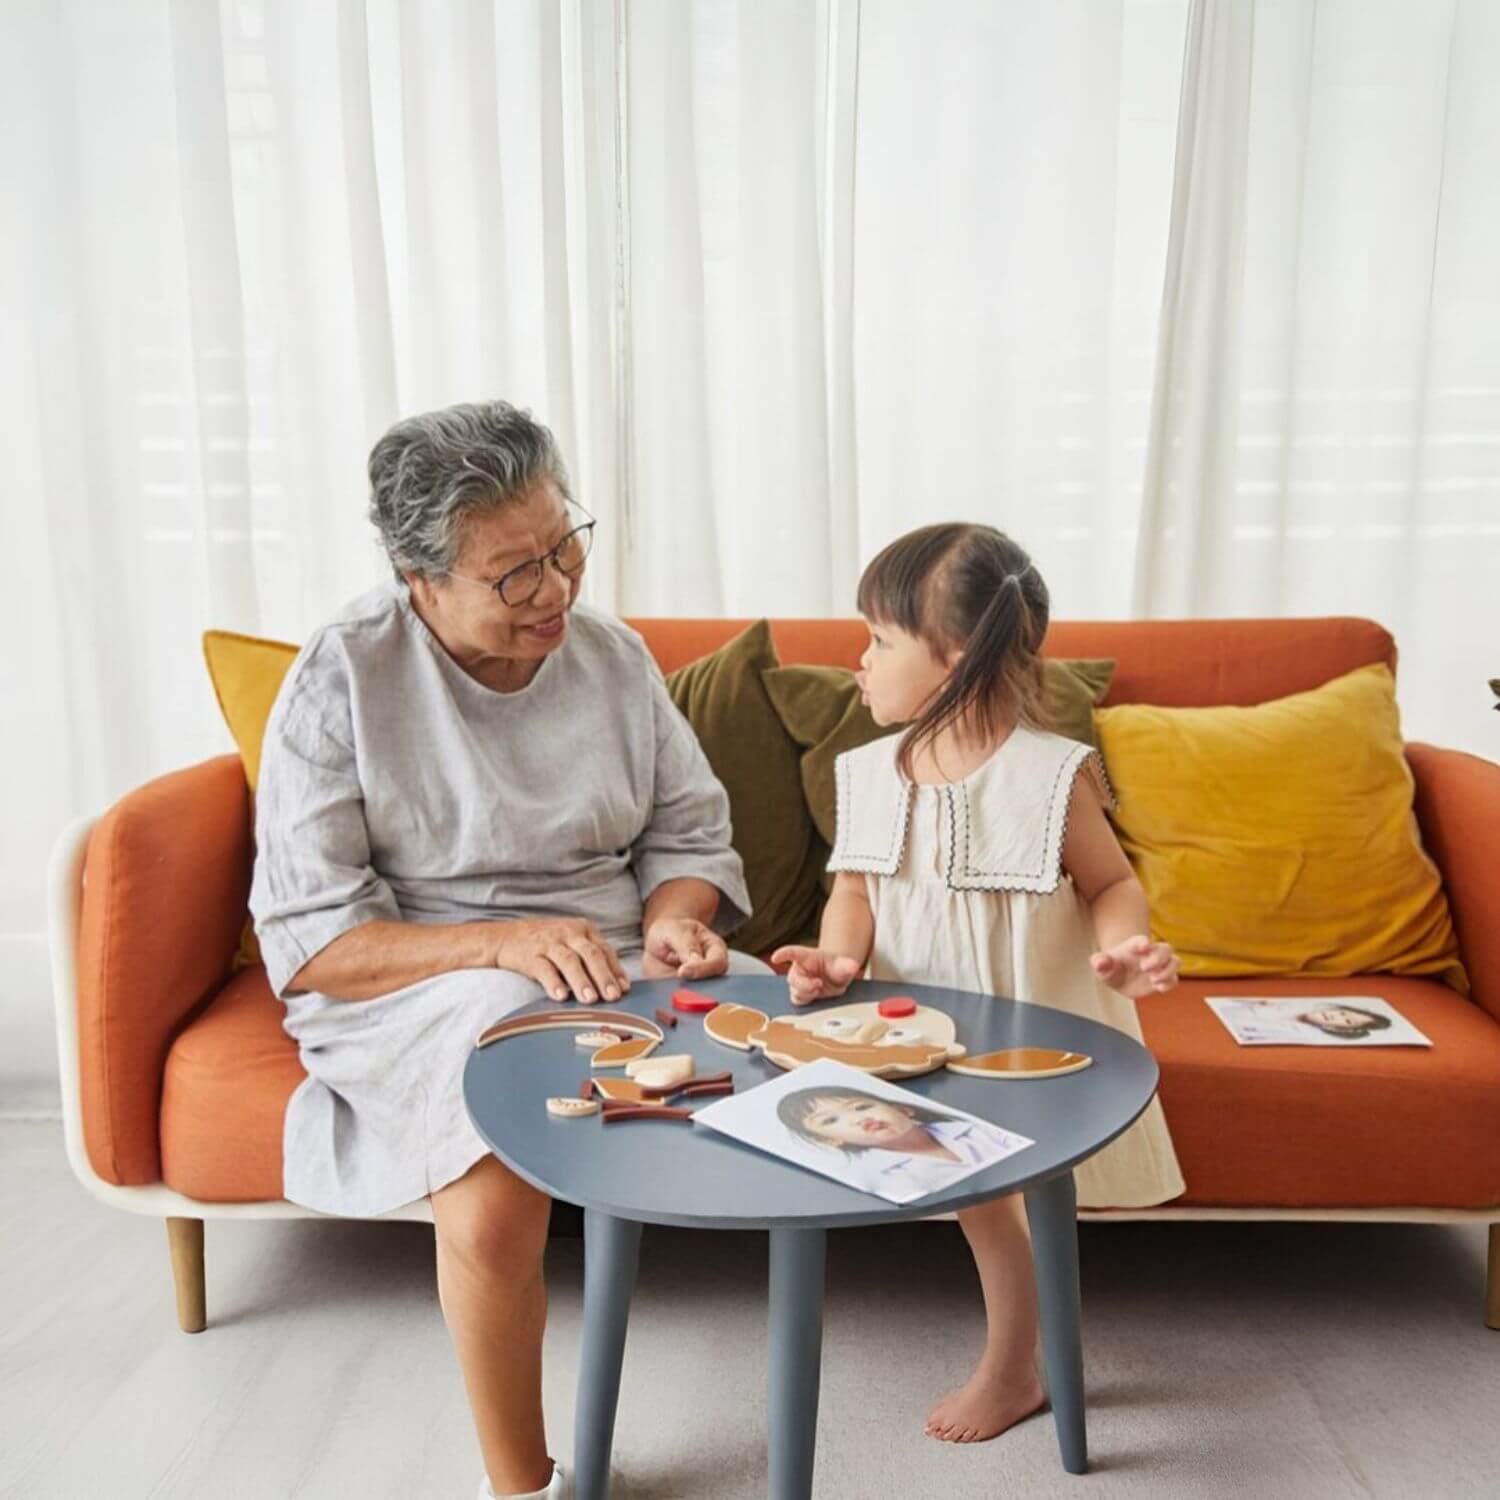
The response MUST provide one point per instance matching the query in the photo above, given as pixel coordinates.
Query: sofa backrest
(1175, 663)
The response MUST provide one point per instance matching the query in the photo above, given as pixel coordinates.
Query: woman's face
(486, 636)
(898, 674)
(854, 1120)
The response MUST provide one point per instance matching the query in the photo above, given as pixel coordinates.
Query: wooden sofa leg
(1492, 1281)
(185, 1237)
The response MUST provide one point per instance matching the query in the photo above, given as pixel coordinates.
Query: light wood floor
(1288, 1361)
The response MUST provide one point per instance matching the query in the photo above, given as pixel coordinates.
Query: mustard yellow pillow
(246, 674)
(1280, 839)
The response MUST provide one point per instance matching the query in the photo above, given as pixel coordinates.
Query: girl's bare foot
(985, 1407)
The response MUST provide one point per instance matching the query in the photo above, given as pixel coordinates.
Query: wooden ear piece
(1021, 1062)
(617, 1054)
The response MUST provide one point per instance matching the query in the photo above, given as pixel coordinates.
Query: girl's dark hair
(1373, 1021)
(793, 1109)
(969, 587)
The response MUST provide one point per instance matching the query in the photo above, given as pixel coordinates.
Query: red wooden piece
(897, 1005)
(692, 1003)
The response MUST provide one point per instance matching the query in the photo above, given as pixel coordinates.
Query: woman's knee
(491, 1221)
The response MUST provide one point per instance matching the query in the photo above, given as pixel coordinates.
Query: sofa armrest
(1458, 810)
(165, 886)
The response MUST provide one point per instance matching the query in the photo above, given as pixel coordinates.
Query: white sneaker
(558, 1488)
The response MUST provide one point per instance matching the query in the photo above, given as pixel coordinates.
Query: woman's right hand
(816, 974)
(567, 956)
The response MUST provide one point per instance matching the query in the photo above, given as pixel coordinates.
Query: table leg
(1052, 1210)
(796, 1323)
(611, 1250)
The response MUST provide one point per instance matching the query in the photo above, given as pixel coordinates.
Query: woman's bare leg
(1004, 1388)
(491, 1238)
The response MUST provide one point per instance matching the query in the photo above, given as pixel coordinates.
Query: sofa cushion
(725, 700)
(822, 711)
(228, 1077)
(1303, 1127)
(1280, 838)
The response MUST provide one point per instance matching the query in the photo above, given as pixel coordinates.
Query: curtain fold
(1326, 424)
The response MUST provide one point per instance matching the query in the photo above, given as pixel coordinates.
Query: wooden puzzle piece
(858, 1035)
(620, 1053)
(897, 1006)
(733, 1024)
(620, 1112)
(1022, 1062)
(620, 1022)
(658, 1072)
(568, 1107)
(692, 1003)
(596, 1039)
(628, 1091)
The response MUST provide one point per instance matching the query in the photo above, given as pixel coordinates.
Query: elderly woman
(474, 791)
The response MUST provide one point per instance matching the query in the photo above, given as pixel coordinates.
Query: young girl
(972, 853)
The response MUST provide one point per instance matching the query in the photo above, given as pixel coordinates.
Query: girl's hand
(683, 948)
(816, 974)
(1137, 966)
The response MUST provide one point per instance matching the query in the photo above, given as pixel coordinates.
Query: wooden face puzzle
(857, 1034)
(894, 1038)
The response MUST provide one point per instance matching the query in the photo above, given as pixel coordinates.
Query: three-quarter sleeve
(688, 835)
(313, 877)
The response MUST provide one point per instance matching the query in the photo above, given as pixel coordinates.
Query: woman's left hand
(1137, 966)
(682, 948)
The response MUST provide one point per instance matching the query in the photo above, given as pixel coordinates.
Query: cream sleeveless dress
(968, 889)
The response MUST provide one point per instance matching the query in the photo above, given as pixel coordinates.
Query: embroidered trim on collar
(842, 858)
(1046, 878)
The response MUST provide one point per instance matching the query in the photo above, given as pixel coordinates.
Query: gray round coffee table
(664, 1172)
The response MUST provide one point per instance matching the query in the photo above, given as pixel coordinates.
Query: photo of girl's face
(856, 1120)
(1337, 1018)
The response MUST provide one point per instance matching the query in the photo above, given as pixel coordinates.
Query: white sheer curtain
(1326, 433)
(786, 277)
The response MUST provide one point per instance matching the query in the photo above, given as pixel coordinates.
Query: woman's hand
(683, 948)
(565, 955)
(816, 974)
(1137, 966)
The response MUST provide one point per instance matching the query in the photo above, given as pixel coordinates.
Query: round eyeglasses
(519, 585)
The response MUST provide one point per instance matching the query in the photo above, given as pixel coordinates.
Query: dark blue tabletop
(665, 1172)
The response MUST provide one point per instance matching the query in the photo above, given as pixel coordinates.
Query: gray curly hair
(430, 473)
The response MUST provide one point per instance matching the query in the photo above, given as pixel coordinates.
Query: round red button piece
(897, 1005)
(691, 1002)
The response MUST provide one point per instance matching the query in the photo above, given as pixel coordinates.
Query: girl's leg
(1004, 1388)
(491, 1237)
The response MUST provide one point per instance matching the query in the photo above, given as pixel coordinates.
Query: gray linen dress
(393, 786)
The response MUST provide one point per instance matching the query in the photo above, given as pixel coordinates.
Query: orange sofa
(176, 1074)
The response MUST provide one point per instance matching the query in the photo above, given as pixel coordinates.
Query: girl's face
(899, 673)
(855, 1120)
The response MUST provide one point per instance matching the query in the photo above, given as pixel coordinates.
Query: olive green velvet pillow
(821, 710)
(724, 698)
